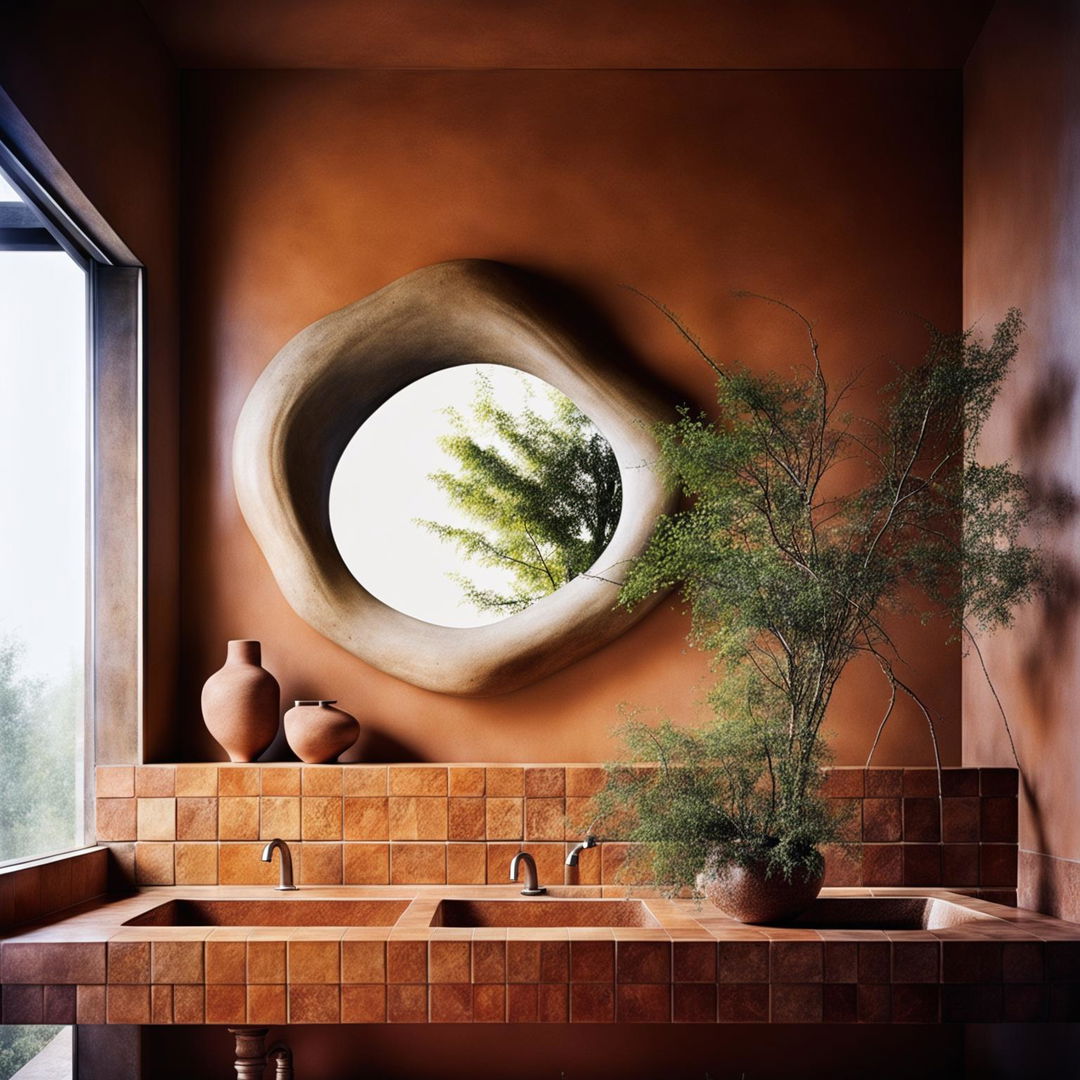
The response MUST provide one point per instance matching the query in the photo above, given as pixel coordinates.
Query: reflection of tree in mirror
(542, 487)
(38, 750)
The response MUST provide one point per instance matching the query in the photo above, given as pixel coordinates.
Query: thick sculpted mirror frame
(325, 382)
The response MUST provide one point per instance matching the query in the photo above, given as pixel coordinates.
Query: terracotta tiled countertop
(688, 963)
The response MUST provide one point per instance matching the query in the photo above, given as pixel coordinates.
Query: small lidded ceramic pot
(317, 732)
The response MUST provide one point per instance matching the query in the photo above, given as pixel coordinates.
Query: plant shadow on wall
(789, 574)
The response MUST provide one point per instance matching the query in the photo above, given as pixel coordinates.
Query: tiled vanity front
(695, 966)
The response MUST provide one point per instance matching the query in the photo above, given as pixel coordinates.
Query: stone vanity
(443, 954)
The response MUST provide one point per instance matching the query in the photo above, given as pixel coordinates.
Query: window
(44, 503)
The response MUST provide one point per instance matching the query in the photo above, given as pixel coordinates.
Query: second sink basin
(272, 913)
(543, 911)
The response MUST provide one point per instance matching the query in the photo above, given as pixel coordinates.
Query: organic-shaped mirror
(472, 493)
(327, 382)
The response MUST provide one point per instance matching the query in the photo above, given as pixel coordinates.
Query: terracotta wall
(305, 190)
(100, 91)
(1021, 244)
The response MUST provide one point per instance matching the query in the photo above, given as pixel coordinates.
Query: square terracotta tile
(364, 780)
(489, 1003)
(466, 781)
(1023, 961)
(266, 1004)
(694, 1003)
(553, 1003)
(189, 1004)
(156, 819)
(320, 818)
(226, 961)
(311, 1003)
(504, 818)
(226, 1004)
(196, 781)
(115, 820)
(238, 818)
(920, 783)
(128, 962)
(592, 961)
(580, 816)
(796, 961)
(959, 782)
(417, 818)
(545, 819)
(545, 782)
(998, 781)
(505, 782)
(314, 961)
(465, 819)
(363, 961)
(124, 1005)
(881, 820)
(449, 961)
(592, 1003)
(521, 1003)
(693, 961)
(915, 1004)
(320, 864)
(196, 818)
(161, 1004)
(324, 780)
(796, 1003)
(922, 821)
(554, 961)
(90, 1005)
(916, 961)
(418, 780)
(367, 818)
(841, 961)
(406, 1004)
(155, 781)
(883, 864)
(279, 816)
(406, 961)
(366, 864)
(451, 1003)
(845, 783)
(280, 781)
(241, 864)
(643, 961)
(363, 1004)
(176, 961)
(466, 864)
(114, 782)
(522, 960)
(266, 960)
(839, 1003)
(971, 961)
(922, 864)
(884, 783)
(843, 865)
(488, 960)
(154, 863)
(643, 1003)
(1021, 1003)
(196, 864)
(997, 865)
(960, 821)
(875, 962)
(742, 961)
(959, 865)
(584, 781)
(998, 820)
(417, 864)
(239, 780)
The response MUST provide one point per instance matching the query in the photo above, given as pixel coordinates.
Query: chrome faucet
(590, 841)
(532, 886)
(286, 882)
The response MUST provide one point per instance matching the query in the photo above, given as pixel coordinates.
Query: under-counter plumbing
(589, 842)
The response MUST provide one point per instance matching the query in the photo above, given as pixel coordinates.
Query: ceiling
(742, 34)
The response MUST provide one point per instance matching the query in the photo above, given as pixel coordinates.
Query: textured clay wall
(304, 191)
(1022, 248)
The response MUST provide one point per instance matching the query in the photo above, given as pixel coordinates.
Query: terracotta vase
(241, 703)
(751, 896)
(317, 732)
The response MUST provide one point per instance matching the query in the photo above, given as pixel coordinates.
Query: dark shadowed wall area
(1022, 248)
(306, 190)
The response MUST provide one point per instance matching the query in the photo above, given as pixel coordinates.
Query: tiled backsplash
(461, 824)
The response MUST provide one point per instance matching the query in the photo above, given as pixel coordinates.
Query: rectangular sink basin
(272, 913)
(884, 913)
(543, 911)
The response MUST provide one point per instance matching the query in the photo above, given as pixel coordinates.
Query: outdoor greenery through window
(43, 538)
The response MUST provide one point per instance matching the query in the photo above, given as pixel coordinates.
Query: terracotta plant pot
(750, 896)
(241, 703)
(317, 732)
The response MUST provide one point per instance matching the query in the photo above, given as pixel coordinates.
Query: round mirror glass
(471, 494)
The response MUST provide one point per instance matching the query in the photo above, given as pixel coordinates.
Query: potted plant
(804, 527)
